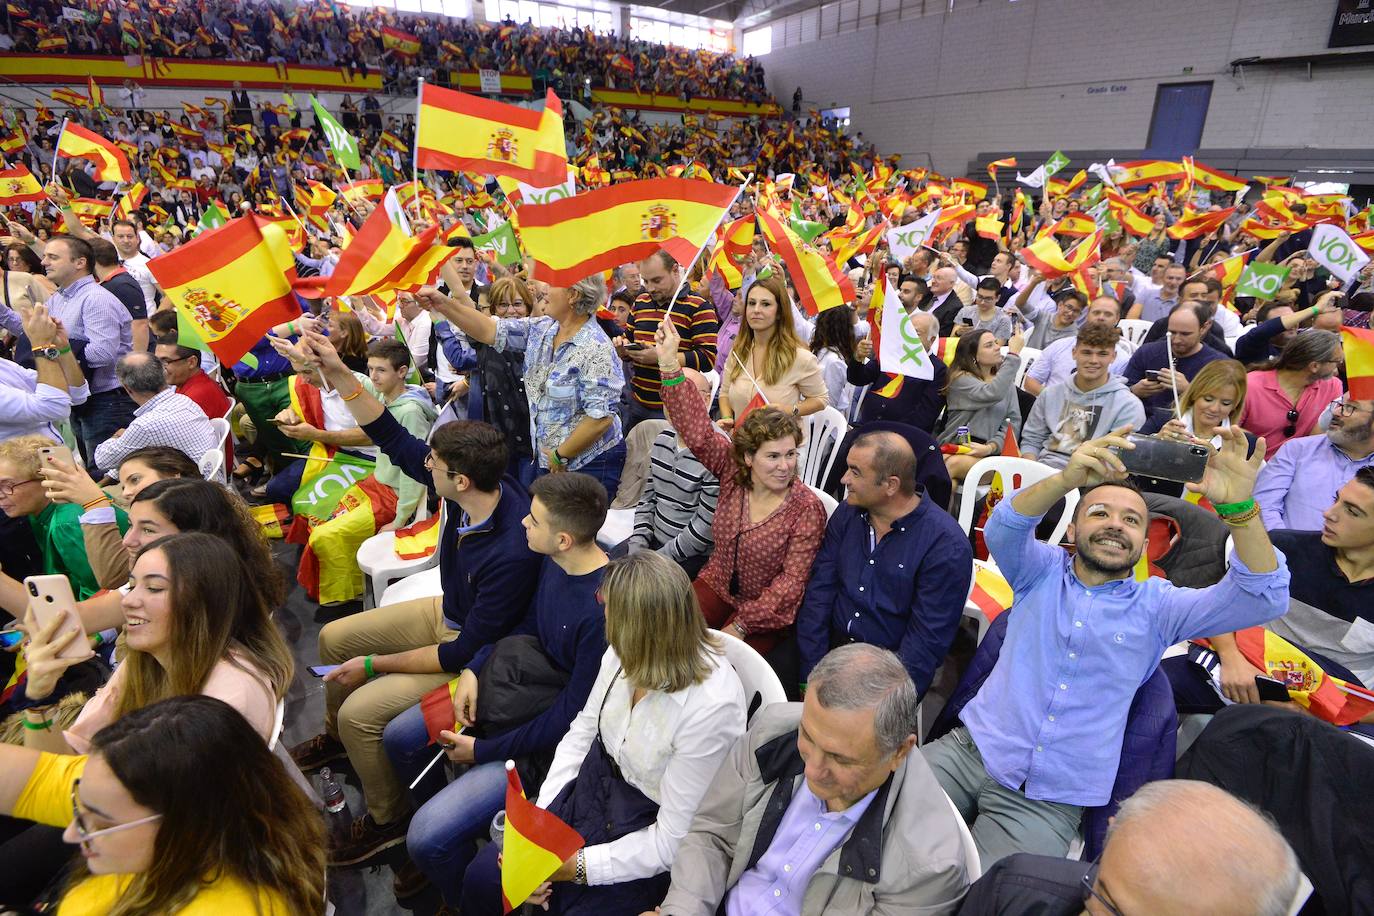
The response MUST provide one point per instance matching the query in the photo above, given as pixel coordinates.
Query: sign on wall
(491, 80)
(1354, 24)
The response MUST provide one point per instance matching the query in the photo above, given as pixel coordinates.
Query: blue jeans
(606, 467)
(449, 818)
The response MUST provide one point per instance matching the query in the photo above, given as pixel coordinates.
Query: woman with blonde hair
(177, 809)
(769, 358)
(665, 710)
(768, 524)
(1214, 401)
(194, 623)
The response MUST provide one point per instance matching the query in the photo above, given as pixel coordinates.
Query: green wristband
(367, 668)
(64, 351)
(675, 380)
(1225, 509)
(45, 725)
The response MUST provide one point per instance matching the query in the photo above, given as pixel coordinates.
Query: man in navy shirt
(894, 567)
(1148, 373)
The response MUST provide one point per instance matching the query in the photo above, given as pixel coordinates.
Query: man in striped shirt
(696, 325)
(679, 501)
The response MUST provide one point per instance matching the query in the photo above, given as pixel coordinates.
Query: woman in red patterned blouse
(768, 524)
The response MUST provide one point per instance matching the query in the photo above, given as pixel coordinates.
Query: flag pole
(749, 375)
(687, 272)
(415, 147)
(56, 147)
(1169, 349)
(437, 757)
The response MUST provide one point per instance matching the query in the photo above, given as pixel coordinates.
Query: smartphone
(51, 597)
(273, 421)
(634, 346)
(1184, 462)
(57, 454)
(10, 638)
(321, 670)
(1270, 689)
(1152, 374)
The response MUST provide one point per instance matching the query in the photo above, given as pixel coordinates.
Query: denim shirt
(1052, 714)
(583, 378)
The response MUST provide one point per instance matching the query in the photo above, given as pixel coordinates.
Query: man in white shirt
(200, 170)
(163, 417)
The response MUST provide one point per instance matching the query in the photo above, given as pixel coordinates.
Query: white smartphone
(51, 597)
(57, 454)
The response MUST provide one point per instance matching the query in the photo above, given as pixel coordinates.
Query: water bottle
(961, 436)
(331, 792)
(498, 830)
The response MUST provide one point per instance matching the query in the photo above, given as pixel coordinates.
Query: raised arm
(685, 408)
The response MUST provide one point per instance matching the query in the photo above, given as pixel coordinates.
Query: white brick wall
(996, 75)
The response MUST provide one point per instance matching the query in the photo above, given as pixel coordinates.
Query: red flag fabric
(437, 709)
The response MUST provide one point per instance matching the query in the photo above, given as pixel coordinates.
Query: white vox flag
(902, 241)
(902, 352)
(1337, 252)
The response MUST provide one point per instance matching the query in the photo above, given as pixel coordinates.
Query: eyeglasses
(429, 466)
(1343, 408)
(85, 836)
(169, 360)
(1089, 888)
(1292, 426)
(7, 487)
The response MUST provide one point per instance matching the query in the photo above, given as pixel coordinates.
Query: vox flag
(900, 350)
(902, 241)
(344, 147)
(1263, 281)
(1337, 252)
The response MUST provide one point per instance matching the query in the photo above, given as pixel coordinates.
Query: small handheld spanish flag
(536, 843)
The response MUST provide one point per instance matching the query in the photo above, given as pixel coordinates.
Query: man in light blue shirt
(1042, 738)
(1301, 481)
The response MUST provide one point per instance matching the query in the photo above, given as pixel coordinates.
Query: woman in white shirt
(665, 710)
(833, 344)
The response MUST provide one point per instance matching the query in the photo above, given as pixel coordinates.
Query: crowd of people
(492, 422)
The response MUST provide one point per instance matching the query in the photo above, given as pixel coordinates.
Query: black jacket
(1028, 885)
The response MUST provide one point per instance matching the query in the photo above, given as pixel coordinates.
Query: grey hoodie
(1064, 417)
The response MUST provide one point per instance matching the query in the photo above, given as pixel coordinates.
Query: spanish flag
(271, 517)
(1359, 362)
(1192, 225)
(419, 540)
(1008, 163)
(362, 189)
(989, 227)
(403, 43)
(1146, 171)
(76, 141)
(1132, 218)
(1229, 272)
(536, 843)
(460, 132)
(1075, 225)
(70, 97)
(17, 186)
(131, 201)
(1328, 698)
(1205, 176)
(1044, 255)
(381, 258)
(436, 708)
(862, 243)
(578, 236)
(820, 283)
(991, 592)
(230, 285)
(91, 210)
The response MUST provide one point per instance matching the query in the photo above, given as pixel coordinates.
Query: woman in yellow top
(768, 353)
(180, 808)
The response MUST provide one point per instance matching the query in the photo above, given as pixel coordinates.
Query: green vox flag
(805, 228)
(213, 217)
(1055, 163)
(1262, 281)
(345, 147)
(502, 241)
(318, 496)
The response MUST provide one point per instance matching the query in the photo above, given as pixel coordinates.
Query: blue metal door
(1180, 113)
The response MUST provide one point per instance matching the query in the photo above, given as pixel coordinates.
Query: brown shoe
(409, 881)
(318, 751)
(367, 839)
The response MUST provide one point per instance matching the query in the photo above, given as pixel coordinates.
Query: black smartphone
(633, 345)
(1152, 374)
(321, 670)
(1270, 689)
(1184, 462)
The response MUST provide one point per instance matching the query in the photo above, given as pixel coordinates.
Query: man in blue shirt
(893, 570)
(1042, 739)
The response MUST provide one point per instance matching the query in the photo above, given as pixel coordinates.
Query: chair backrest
(1028, 357)
(211, 464)
(230, 409)
(761, 684)
(830, 503)
(713, 377)
(221, 427)
(1134, 329)
(973, 863)
(1016, 473)
(822, 432)
(277, 723)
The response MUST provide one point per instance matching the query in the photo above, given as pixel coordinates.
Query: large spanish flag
(1204, 176)
(574, 237)
(362, 189)
(1359, 362)
(456, 131)
(1146, 171)
(820, 283)
(381, 258)
(401, 42)
(17, 186)
(1192, 225)
(230, 285)
(536, 843)
(76, 141)
(1044, 255)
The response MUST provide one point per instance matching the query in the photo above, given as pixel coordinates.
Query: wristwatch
(49, 352)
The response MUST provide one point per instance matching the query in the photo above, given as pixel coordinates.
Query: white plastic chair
(230, 409)
(619, 525)
(211, 464)
(277, 725)
(221, 427)
(1016, 473)
(1134, 330)
(823, 432)
(1028, 357)
(761, 684)
(381, 567)
(973, 863)
(830, 503)
(713, 377)
(427, 584)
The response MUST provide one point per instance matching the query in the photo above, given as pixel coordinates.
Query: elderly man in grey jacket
(822, 808)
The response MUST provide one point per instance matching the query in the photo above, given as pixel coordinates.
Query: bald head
(942, 281)
(700, 382)
(1157, 860)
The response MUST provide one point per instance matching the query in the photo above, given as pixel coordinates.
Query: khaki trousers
(358, 718)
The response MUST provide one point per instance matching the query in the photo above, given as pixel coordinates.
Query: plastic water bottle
(331, 792)
(498, 830)
(961, 436)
